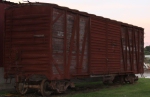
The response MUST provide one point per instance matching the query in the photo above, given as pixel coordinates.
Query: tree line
(147, 50)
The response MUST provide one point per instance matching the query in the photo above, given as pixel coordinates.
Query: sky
(135, 12)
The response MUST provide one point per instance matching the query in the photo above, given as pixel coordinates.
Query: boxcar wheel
(20, 88)
(44, 88)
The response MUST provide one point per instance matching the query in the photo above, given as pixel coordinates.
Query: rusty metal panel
(26, 41)
(105, 46)
(113, 47)
(98, 46)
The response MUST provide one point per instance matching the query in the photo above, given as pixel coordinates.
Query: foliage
(147, 50)
(2, 93)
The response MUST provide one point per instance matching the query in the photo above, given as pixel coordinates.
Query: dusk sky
(136, 12)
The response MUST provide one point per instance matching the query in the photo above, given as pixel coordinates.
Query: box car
(3, 5)
(47, 45)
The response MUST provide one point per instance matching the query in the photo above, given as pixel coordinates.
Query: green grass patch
(140, 89)
(2, 93)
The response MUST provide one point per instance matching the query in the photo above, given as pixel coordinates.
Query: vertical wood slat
(122, 50)
(78, 37)
(83, 46)
(106, 52)
(50, 43)
(71, 44)
(128, 51)
(65, 46)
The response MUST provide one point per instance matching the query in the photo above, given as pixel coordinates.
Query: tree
(147, 50)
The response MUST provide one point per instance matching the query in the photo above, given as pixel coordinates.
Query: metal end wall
(3, 6)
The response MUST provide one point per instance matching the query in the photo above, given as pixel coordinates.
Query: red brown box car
(47, 45)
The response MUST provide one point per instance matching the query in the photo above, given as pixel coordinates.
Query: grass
(96, 89)
(2, 93)
(139, 89)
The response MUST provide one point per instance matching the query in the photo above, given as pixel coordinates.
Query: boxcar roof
(72, 10)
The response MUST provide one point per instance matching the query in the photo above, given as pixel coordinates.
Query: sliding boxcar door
(69, 44)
